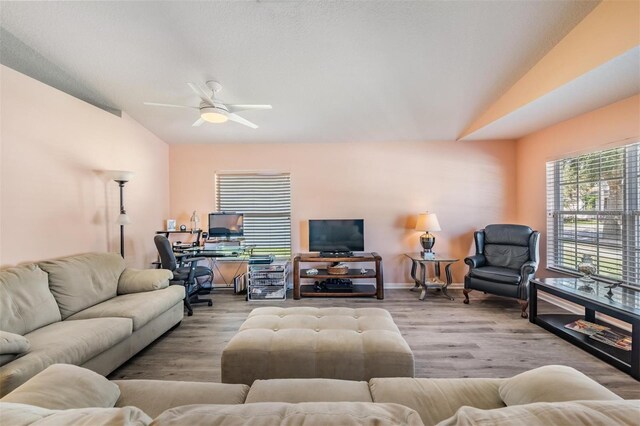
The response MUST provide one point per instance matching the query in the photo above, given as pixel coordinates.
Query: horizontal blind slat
(265, 201)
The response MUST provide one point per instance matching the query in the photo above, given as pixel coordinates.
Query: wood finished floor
(449, 339)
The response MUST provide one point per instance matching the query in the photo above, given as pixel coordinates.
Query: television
(226, 225)
(332, 235)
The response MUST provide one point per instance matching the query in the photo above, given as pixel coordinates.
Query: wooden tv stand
(359, 290)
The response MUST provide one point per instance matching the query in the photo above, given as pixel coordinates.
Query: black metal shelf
(555, 323)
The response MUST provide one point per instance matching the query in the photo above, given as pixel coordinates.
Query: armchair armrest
(139, 280)
(475, 261)
(528, 268)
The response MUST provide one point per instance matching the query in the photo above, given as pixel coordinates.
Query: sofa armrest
(139, 280)
(475, 261)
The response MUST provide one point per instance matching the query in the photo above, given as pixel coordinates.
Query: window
(592, 209)
(265, 200)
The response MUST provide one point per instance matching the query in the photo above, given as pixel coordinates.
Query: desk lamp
(427, 222)
(121, 177)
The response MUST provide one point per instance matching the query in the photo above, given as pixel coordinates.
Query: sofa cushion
(155, 396)
(64, 386)
(574, 413)
(552, 383)
(139, 280)
(67, 342)
(25, 300)
(78, 282)
(496, 273)
(11, 343)
(140, 307)
(277, 413)
(308, 390)
(24, 415)
(437, 399)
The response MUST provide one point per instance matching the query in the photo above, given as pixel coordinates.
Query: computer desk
(239, 254)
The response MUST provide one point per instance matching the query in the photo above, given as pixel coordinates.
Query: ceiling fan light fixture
(213, 115)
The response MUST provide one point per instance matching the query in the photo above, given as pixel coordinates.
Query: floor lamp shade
(120, 175)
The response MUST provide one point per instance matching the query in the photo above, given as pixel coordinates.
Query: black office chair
(186, 273)
(506, 259)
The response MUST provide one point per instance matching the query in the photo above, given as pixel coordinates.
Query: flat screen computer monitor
(226, 225)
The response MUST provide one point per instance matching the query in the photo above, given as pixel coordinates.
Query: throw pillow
(552, 383)
(574, 413)
(11, 343)
(139, 280)
(65, 386)
(22, 414)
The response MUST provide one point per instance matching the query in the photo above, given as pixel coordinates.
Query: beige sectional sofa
(551, 395)
(86, 310)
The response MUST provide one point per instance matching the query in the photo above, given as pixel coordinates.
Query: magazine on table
(601, 333)
(613, 338)
(585, 327)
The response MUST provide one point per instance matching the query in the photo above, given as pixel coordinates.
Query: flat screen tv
(226, 225)
(331, 235)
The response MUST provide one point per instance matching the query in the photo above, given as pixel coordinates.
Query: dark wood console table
(620, 303)
(302, 290)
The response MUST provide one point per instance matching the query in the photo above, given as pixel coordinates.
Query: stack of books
(601, 334)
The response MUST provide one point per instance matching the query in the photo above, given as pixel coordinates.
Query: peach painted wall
(607, 127)
(52, 201)
(467, 184)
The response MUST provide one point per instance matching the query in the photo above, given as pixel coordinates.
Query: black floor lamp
(121, 177)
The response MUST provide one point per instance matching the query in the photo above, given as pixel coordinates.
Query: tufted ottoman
(335, 343)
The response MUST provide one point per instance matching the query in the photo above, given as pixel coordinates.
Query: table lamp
(427, 222)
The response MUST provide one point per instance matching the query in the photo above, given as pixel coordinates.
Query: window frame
(628, 212)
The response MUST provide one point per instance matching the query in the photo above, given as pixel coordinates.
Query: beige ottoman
(334, 343)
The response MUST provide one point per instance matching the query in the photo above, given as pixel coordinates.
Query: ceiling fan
(213, 110)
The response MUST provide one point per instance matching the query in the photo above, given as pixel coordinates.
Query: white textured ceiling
(334, 71)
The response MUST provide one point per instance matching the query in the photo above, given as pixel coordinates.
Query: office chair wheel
(209, 303)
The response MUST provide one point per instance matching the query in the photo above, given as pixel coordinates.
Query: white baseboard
(392, 286)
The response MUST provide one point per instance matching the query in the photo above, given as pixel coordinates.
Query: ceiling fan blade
(206, 97)
(236, 107)
(169, 105)
(198, 122)
(238, 119)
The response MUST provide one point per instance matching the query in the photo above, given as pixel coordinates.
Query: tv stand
(336, 254)
(365, 289)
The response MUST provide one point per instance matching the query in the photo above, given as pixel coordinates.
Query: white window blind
(592, 209)
(265, 200)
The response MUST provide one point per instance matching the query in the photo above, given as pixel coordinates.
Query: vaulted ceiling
(333, 71)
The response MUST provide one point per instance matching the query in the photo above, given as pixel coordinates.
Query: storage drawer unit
(268, 281)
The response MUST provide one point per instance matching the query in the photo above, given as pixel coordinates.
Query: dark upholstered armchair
(506, 259)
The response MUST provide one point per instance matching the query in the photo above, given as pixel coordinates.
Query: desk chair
(186, 273)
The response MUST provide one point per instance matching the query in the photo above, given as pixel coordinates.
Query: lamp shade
(120, 175)
(123, 219)
(427, 222)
